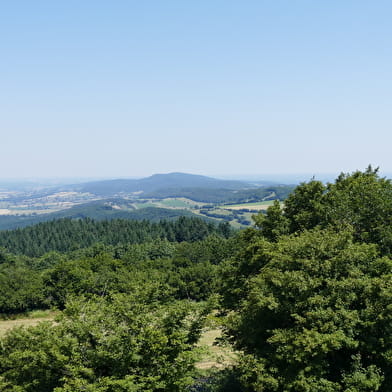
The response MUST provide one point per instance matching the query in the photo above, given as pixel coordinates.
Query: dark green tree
(274, 223)
(21, 289)
(314, 314)
(127, 343)
(304, 206)
(360, 200)
(363, 201)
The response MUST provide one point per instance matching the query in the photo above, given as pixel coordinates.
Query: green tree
(363, 201)
(127, 343)
(360, 200)
(274, 223)
(21, 289)
(314, 315)
(304, 206)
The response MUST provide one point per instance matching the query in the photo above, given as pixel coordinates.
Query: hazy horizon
(284, 178)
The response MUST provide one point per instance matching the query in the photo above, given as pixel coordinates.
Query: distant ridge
(98, 210)
(157, 182)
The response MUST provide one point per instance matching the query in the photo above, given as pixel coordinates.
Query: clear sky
(129, 88)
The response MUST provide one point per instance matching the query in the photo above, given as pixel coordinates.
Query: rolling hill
(157, 182)
(99, 210)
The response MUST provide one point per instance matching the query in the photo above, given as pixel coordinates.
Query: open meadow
(29, 320)
(257, 206)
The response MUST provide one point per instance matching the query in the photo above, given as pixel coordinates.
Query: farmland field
(177, 203)
(260, 205)
(167, 203)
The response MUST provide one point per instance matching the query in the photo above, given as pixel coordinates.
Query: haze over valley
(156, 197)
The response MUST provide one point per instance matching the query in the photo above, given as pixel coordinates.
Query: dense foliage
(127, 343)
(315, 315)
(129, 322)
(70, 234)
(305, 298)
(188, 270)
(362, 201)
(308, 296)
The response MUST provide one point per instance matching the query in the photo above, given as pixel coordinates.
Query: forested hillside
(304, 298)
(221, 195)
(94, 210)
(65, 235)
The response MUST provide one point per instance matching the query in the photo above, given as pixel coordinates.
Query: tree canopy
(316, 316)
(122, 343)
(308, 295)
(361, 200)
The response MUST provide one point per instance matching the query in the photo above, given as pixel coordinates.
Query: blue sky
(130, 88)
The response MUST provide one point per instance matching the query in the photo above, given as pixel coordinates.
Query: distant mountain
(157, 182)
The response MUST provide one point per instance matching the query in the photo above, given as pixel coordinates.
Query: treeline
(66, 235)
(186, 270)
(99, 210)
(308, 299)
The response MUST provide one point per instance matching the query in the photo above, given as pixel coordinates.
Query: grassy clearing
(220, 211)
(28, 320)
(181, 202)
(144, 205)
(236, 225)
(175, 203)
(215, 356)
